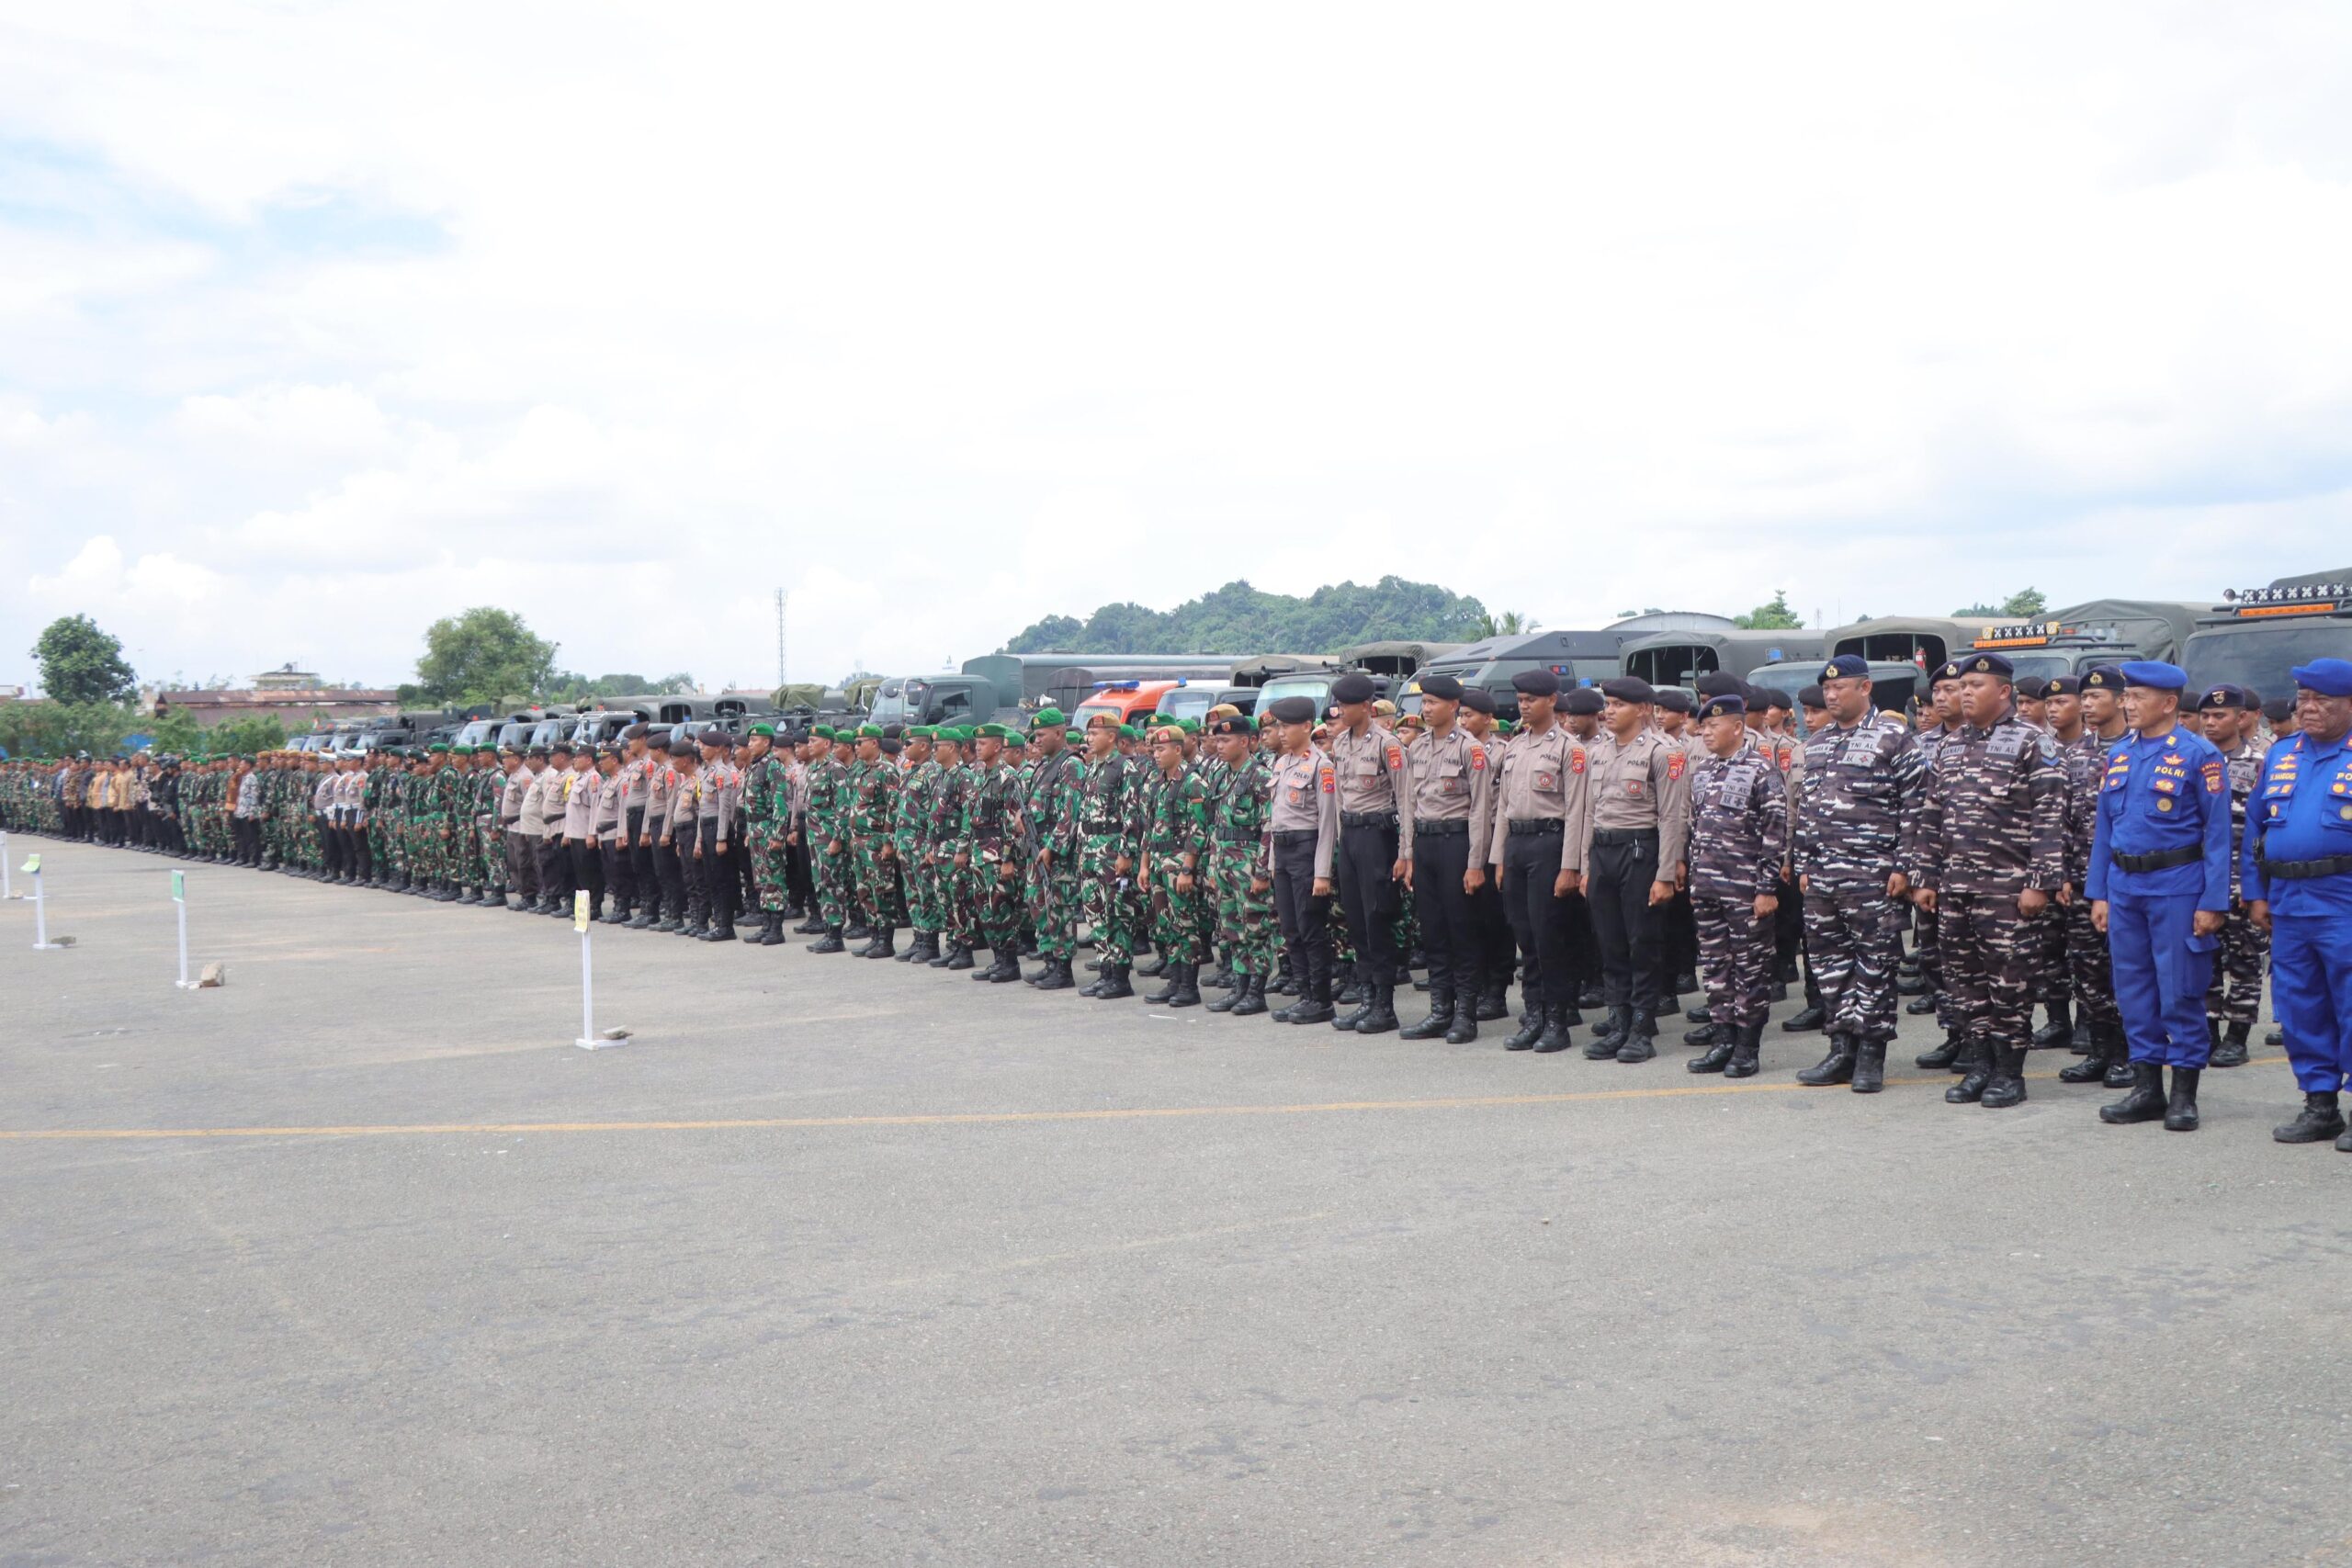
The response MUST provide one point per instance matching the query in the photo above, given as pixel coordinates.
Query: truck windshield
(1088, 710)
(1316, 689)
(2042, 666)
(899, 702)
(1187, 702)
(2263, 657)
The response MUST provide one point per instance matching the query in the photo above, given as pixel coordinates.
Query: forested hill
(1238, 619)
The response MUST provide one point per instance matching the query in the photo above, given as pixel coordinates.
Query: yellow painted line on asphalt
(961, 1117)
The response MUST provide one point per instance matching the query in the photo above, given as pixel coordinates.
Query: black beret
(2253, 698)
(1629, 689)
(634, 732)
(1757, 697)
(1720, 682)
(1948, 670)
(1443, 686)
(562, 746)
(2277, 709)
(1727, 705)
(534, 752)
(1813, 697)
(2060, 686)
(2227, 696)
(1536, 682)
(1775, 698)
(683, 749)
(892, 747)
(1583, 702)
(1355, 686)
(1986, 664)
(894, 732)
(1674, 701)
(1478, 699)
(1846, 667)
(1292, 710)
(2106, 678)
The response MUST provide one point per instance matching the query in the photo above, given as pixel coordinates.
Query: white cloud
(949, 318)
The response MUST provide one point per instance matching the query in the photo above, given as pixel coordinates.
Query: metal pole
(587, 1041)
(41, 919)
(4, 891)
(179, 908)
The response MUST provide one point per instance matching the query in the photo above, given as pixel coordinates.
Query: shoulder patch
(1575, 759)
(1477, 755)
(1674, 763)
(1395, 758)
(2213, 780)
(1325, 773)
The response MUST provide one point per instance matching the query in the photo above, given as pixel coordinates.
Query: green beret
(766, 729)
(821, 731)
(462, 750)
(993, 732)
(1049, 718)
(1189, 725)
(1155, 720)
(438, 746)
(923, 732)
(1129, 732)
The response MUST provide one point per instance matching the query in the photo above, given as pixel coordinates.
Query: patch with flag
(1478, 756)
(2213, 781)
(1329, 778)
(1675, 761)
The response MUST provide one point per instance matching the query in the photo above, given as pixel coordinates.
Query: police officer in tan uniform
(1635, 831)
(1450, 815)
(1374, 862)
(1302, 834)
(1538, 854)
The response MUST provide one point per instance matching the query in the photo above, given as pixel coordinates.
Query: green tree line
(1238, 619)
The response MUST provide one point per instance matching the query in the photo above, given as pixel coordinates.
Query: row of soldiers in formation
(1601, 847)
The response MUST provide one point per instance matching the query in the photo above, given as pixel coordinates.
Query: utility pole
(782, 599)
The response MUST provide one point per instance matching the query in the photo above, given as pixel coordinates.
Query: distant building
(285, 678)
(293, 706)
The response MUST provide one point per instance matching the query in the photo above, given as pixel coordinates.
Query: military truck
(1577, 658)
(2103, 631)
(1925, 641)
(2256, 637)
(1680, 658)
(1005, 688)
(1893, 681)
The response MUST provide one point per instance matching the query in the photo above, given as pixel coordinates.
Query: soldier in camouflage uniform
(1989, 849)
(872, 817)
(988, 856)
(1103, 820)
(766, 814)
(827, 849)
(2233, 1002)
(910, 838)
(1049, 843)
(943, 842)
(1174, 831)
(1241, 875)
(2083, 747)
(1740, 840)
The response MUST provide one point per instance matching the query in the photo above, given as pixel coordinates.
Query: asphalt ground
(843, 1263)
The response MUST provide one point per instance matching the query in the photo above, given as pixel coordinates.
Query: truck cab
(2256, 637)
(1130, 702)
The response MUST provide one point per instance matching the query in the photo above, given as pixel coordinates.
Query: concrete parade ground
(357, 1259)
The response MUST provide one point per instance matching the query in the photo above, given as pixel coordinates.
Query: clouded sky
(320, 321)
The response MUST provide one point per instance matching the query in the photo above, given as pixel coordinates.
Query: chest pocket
(1295, 795)
(1546, 781)
(1453, 779)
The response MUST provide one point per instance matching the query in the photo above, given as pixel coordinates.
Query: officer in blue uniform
(2159, 885)
(2296, 873)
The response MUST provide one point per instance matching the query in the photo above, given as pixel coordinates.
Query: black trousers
(246, 833)
(718, 873)
(671, 878)
(1305, 917)
(613, 869)
(1498, 943)
(1679, 923)
(1626, 925)
(1538, 917)
(1363, 872)
(1450, 935)
(555, 871)
(588, 872)
(632, 889)
(363, 862)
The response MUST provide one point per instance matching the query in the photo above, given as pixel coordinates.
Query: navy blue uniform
(2298, 855)
(2160, 853)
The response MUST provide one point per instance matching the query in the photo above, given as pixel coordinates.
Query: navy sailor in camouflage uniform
(1739, 838)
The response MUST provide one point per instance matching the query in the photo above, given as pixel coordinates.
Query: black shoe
(1720, 1038)
(1685, 983)
(1640, 1043)
(1188, 985)
(720, 931)
(1440, 1019)
(772, 929)
(1231, 998)
(1252, 1000)
(1171, 980)
(1380, 1011)
(1464, 1027)
(2274, 1037)
(2321, 1121)
(1529, 1030)
(1746, 1051)
(1716, 1035)
(1912, 985)
(1835, 1068)
(1113, 984)
(1612, 1035)
(809, 927)
(884, 946)
(1921, 1006)
(1699, 1014)
(2059, 1031)
(982, 972)
(2093, 1067)
(1354, 994)
(1149, 966)
(1943, 1056)
(2181, 1113)
(1777, 992)
(1057, 976)
(1971, 1088)
(1805, 1019)
(1346, 1022)
(958, 957)
(1870, 1066)
(1310, 1010)
(2144, 1103)
(2080, 1043)
(1218, 980)
(1006, 969)
(1592, 995)
(2007, 1087)
(1283, 983)
(830, 943)
(643, 919)
(1555, 1036)
(1494, 1004)
(2231, 1052)
(857, 930)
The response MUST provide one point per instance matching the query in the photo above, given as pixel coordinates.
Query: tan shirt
(1307, 799)
(1374, 777)
(1542, 778)
(1452, 778)
(510, 799)
(1643, 783)
(580, 803)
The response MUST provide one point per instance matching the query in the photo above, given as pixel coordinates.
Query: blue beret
(1984, 664)
(1948, 670)
(2156, 674)
(2328, 677)
(1846, 666)
(1729, 705)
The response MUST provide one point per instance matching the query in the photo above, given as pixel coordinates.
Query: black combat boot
(2007, 1087)
(1231, 998)
(1555, 1035)
(1641, 1038)
(1835, 1068)
(1172, 974)
(1007, 967)
(2060, 1030)
(772, 929)
(1283, 983)
(873, 944)
(1703, 1013)
(941, 956)
(1253, 999)
(814, 924)
(1149, 965)
(1057, 976)
(2181, 1113)
(1220, 979)
(958, 957)
(1746, 1049)
(2093, 1067)
(1946, 1056)
(1346, 1022)
(1463, 1029)
(857, 930)
(1494, 1002)
(1113, 984)
(1188, 984)
(720, 931)
(2323, 1120)
(1354, 994)
(1978, 1057)
(1870, 1066)
(1380, 1009)
(1440, 1019)
(829, 943)
(981, 972)
(1614, 1028)
(1315, 1007)
(1685, 983)
(1805, 1019)
(2118, 1058)
(2231, 1051)
(1921, 1004)
(1720, 1038)
(885, 945)
(2144, 1103)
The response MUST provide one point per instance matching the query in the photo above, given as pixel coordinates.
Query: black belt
(1441, 826)
(2302, 870)
(1238, 835)
(1625, 835)
(1536, 826)
(2163, 859)
(1296, 835)
(1367, 820)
